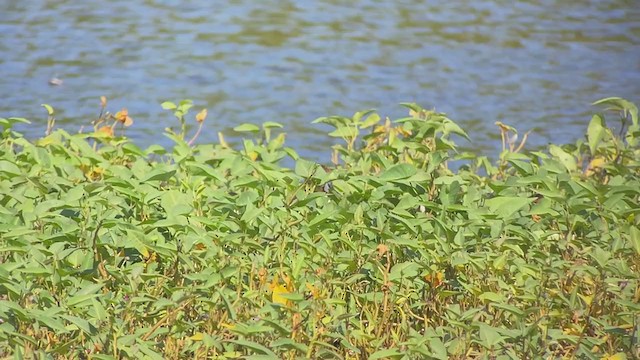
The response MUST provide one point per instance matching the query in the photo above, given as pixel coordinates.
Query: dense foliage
(205, 251)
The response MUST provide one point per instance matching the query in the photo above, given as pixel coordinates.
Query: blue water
(536, 65)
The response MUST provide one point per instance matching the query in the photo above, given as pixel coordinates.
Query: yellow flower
(201, 115)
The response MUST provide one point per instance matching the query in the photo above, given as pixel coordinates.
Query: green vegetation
(204, 251)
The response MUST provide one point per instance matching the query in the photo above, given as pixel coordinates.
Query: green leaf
(506, 206)
(7, 123)
(251, 213)
(398, 172)
(150, 353)
(438, 348)
(635, 238)
(564, 157)
(48, 321)
(81, 324)
(305, 168)
(247, 128)
(289, 344)
(158, 175)
(155, 149)
(9, 169)
(176, 203)
(371, 120)
(255, 347)
(271, 124)
(48, 108)
(345, 132)
(491, 297)
(451, 127)
(620, 104)
(168, 105)
(335, 121)
(595, 132)
(78, 300)
(489, 336)
(208, 171)
(386, 354)
(404, 270)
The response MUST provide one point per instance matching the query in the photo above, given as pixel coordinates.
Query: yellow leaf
(595, 165)
(153, 257)
(315, 292)
(586, 298)
(435, 279)
(276, 295)
(618, 356)
(277, 142)
(278, 289)
(197, 336)
(144, 252)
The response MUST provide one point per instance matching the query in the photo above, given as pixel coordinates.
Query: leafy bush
(109, 251)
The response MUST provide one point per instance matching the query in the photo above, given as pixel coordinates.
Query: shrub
(204, 251)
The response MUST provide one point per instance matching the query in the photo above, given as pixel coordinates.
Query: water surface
(536, 65)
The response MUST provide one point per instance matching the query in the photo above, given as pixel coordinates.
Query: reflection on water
(533, 64)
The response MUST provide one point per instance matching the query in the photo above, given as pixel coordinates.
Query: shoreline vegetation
(111, 251)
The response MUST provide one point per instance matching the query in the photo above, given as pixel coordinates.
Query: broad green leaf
(50, 322)
(82, 299)
(491, 297)
(398, 172)
(9, 169)
(438, 348)
(81, 324)
(305, 168)
(247, 128)
(8, 122)
(489, 336)
(620, 104)
(176, 202)
(168, 105)
(506, 206)
(205, 170)
(158, 175)
(386, 354)
(404, 270)
(289, 344)
(451, 127)
(255, 347)
(146, 350)
(345, 132)
(371, 120)
(566, 159)
(596, 132)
